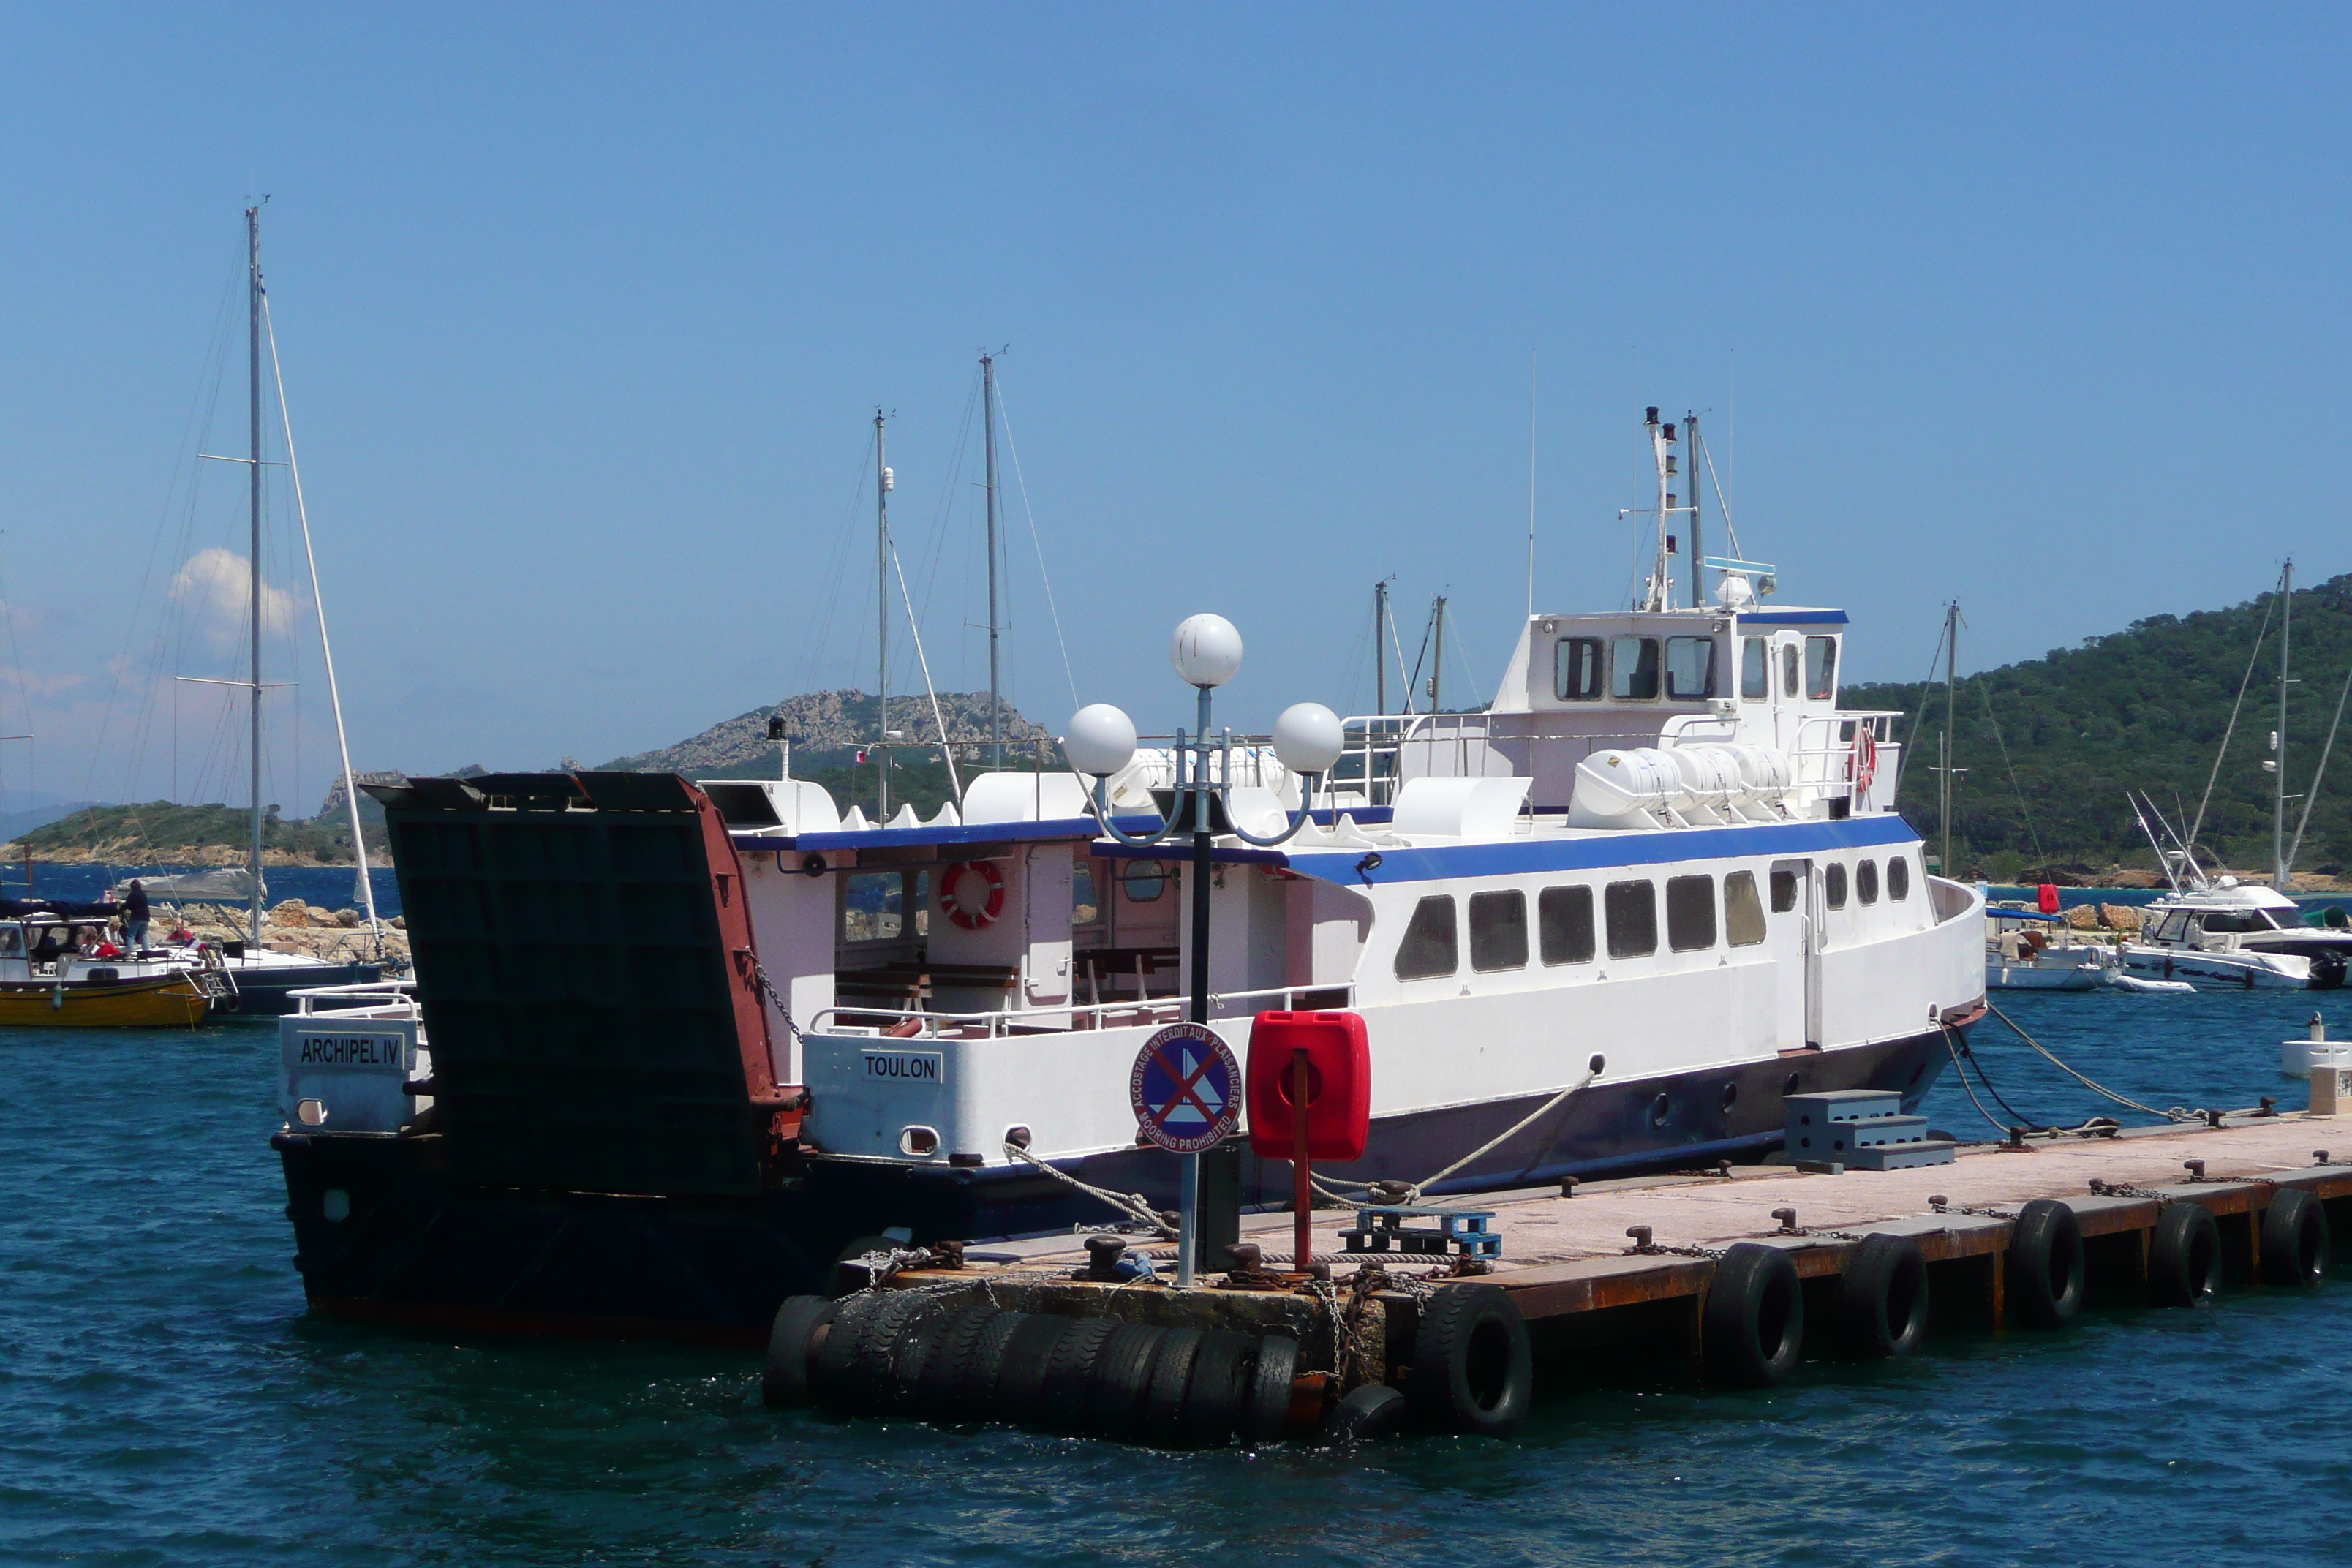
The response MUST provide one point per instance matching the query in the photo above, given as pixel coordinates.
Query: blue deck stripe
(1602, 850)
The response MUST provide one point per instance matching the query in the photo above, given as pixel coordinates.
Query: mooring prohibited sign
(1186, 1089)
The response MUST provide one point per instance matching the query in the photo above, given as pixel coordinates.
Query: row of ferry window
(1640, 669)
(1565, 929)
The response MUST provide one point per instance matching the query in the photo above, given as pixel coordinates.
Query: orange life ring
(966, 907)
(1863, 765)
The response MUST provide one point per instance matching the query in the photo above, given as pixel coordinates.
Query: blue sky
(585, 310)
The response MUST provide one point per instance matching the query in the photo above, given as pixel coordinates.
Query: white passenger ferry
(1655, 887)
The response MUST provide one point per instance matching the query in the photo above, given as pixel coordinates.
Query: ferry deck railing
(373, 999)
(1071, 1017)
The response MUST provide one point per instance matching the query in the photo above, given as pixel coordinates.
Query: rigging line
(1721, 504)
(818, 636)
(1418, 659)
(1005, 414)
(1985, 691)
(1903, 758)
(2311, 790)
(326, 648)
(946, 750)
(24, 690)
(191, 441)
(2197, 825)
(936, 550)
(1396, 644)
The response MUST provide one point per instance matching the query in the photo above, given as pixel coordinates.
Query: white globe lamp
(1207, 651)
(1100, 741)
(1307, 738)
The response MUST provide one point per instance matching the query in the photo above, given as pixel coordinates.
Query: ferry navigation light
(1101, 739)
(1207, 650)
(1308, 738)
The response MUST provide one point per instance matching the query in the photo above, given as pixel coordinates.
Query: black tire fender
(2046, 1267)
(976, 1394)
(1172, 1369)
(1266, 1417)
(1882, 1297)
(831, 1368)
(888, 1335)
(2297, 1247)
(1372, 1410)
(938, 1390)
(1021, 1375)
(1062, 1400)
(1473, 1369)
(786, 1380)
(1121, 1376)
(1753, 1322)
(2184, 1255)
(1214, 1394)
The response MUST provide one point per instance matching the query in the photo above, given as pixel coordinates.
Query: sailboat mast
(1437, 655)
(995, 703)
(882, 623)
(1951, 660)
(1380, 646)
(253, 596)
(2278, 740)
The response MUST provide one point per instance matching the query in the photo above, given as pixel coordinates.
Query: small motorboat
(2029, 951)
(2224, 932)
(63, 970)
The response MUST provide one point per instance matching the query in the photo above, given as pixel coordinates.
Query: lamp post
(1307, 739)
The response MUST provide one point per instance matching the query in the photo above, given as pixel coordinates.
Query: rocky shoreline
(292, 926)
(193, 856)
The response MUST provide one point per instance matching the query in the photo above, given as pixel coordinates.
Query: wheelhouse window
(1784, 891)
(1633, 911)
(1743, 912)
(1898, 878)
(1821, 667)
(1498, 930)
(1833, 886)
(1633, 669)
(1576, 669)
(1755, 669)
(1789, 670)
(2175, 927)
(1865, 881)
(1564, 921)
(2251, 920)
(1690, 913)
(873, 906)
(1690, 667)
(1430, 947)
(1143, 881)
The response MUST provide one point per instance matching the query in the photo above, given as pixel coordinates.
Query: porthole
(1659, 1108)
(919, 1142)
(1790, 1086)
(1730, 1097)
(1597, 1063)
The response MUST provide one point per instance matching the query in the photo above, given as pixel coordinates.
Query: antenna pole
(1531, 484)
(2278, 741)
(253, 586)
(1437, 655)
(995, 705)
(881, 623)
(1380, 646)
(1697, 550)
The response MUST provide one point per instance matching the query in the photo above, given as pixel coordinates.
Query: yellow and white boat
(178, 1000)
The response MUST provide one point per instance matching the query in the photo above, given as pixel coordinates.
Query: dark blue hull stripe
(1606, 852)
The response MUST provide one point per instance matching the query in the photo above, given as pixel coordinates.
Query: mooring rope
(1132, 1204)
(2177, 1113)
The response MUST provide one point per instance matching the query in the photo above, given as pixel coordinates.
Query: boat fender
(1267, 1418)
(2046, 1265)
(1172, 1369)
(1864, 764)
(938, 1390)
(885, 1336)
(1882, 1299)
(1121, 1377)
(785, 1382)
(972, 908)
(2295, 1243)
(1369, 1411)
(2184, 1255)
(1062, 1399)
(1213, 1395)
(1752, 1318)
(1473, 1369)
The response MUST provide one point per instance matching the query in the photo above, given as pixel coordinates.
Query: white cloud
(217, 585)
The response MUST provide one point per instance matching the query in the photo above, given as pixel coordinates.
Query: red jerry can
(1338, 1078)
(2048, 900)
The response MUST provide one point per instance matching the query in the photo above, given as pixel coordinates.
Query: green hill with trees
(2050, 745)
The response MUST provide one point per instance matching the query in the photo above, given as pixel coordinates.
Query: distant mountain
(827, 725)
(330, 810)
(164, 831)
(17, 823)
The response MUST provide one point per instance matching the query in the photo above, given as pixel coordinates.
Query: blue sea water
(326, 886)
(164, 1400)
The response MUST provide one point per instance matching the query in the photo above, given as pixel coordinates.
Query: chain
(2126, 1190)
(767, 986)
(1942, 1206)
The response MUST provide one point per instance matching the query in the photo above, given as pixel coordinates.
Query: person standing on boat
(135, 917)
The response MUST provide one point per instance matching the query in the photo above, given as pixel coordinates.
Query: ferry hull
(414, 1245)
(174, 1001)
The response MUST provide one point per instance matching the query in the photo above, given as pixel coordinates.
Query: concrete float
(1731, 1277)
